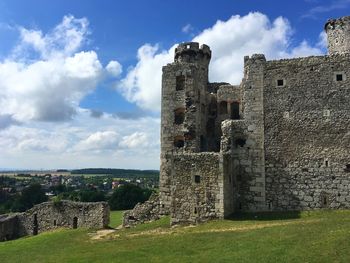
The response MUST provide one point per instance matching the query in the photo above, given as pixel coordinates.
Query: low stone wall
(51, 215)
(143, 212)
(8, 229)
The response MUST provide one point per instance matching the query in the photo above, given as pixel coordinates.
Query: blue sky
(80, 80)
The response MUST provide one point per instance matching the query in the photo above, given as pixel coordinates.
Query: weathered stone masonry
(278, 141)
(52, 215)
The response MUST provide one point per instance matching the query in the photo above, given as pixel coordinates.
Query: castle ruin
(278, 141)
(52, 215)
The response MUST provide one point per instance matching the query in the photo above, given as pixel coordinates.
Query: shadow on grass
(264, 216)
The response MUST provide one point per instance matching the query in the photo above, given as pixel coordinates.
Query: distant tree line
(124, 197)
(34, 194)
(121, 173)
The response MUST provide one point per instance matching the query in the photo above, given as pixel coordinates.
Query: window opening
(280, 82)
(339, 77)
(235, 111)
(240, 142)
(347, 168)
(180, 82)
(197, 179)
(179, 115)
(179, 141)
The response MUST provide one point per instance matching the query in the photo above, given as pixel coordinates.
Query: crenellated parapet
(191, 52)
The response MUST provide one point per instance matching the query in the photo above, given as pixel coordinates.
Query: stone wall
(8, 227)
(144, 212)
(197, 188)
(251, 151)
(51, 215)
(307, 135)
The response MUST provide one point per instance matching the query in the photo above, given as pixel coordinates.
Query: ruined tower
(184, 85)
(338, 35)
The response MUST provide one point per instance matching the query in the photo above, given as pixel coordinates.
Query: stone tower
(184, 85)
(338, 35)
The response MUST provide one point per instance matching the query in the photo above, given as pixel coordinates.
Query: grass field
(319, 236)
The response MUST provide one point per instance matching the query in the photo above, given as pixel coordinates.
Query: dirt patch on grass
(101, 234)
(196, 229)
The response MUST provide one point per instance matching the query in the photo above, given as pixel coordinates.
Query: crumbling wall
(144, 212)
(8, 227)
(50, 215)
(307, 135)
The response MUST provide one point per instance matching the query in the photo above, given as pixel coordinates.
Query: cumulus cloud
(64, 40)
(114, 68)
(49, 85)
(142, 83)
(229, 40)
(101, 140)
(135, 140)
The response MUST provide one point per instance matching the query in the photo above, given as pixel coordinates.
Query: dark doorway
(235, 111)
(35, 225)
(75, 222)
(223, 107)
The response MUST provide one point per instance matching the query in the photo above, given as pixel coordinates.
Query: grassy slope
(320, 236)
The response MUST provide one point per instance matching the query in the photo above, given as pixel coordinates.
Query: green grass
(319, 236)
(116, 218)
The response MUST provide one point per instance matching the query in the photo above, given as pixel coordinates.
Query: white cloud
(142, 83)
(48, 90)
(229, 41)
(83, 142)
(135, 140)
(114, 68)
(100, 140)
(49, 86)
(64, 40)
(187, 28)
(322, 40)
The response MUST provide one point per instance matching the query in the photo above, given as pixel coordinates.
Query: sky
(80, 80)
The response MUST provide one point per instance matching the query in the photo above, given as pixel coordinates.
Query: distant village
(87, 185)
